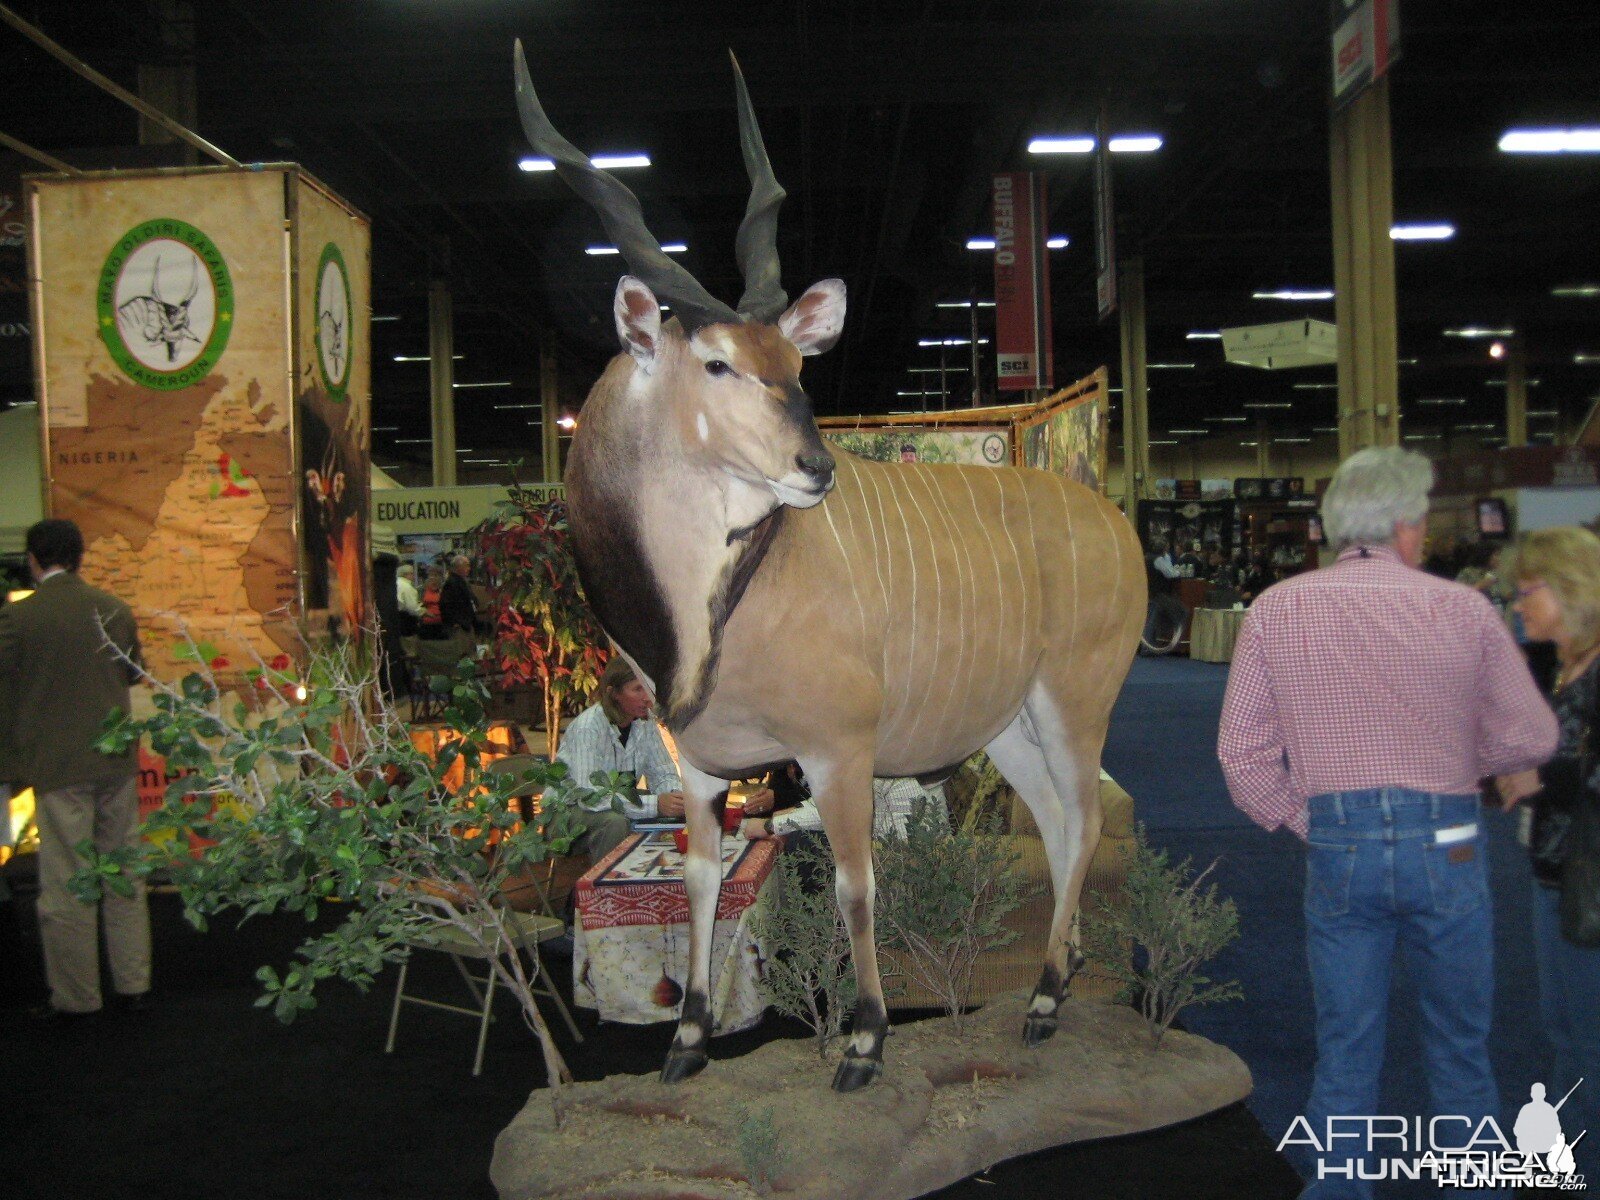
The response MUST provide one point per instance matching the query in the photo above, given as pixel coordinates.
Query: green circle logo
(333, 322)
(165, 304)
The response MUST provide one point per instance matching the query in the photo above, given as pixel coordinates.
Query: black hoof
(1038, 1030)
(856, 1073)
(681, 1064)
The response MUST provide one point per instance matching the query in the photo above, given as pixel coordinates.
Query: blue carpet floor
(1162, 749)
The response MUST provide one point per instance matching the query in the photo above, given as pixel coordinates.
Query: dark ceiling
(885, 120)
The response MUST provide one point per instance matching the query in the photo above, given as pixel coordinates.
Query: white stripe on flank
(850, 574)
(1066, 512)
(937, 673)
(997, 601)
(961, 538)
(892, 483)
(932, 672)
(883, 646)
(1016, 556)
(1033, 540)
(852, 496)
(1113, 609)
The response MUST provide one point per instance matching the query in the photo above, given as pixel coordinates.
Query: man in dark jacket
(67, 656)
(457, 605)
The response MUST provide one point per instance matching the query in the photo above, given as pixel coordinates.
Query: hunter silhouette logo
(165, 304)
(333, 321)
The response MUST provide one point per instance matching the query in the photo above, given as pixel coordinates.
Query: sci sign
(1023, 355)
(1366, 43)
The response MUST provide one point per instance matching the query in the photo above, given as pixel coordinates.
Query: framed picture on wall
(1493, 521)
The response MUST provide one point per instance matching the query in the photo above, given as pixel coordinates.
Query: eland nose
(819, 465)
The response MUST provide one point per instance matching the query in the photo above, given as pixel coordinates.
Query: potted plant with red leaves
(544, 631)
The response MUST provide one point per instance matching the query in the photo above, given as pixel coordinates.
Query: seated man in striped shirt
(1365, 702)
(618, 734)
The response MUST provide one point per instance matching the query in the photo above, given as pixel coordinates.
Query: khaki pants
(106, 814)
(604, 831)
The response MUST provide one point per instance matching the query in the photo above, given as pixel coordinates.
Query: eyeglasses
(1525, 591)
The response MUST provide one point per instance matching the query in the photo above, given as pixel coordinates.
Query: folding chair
(528, 930)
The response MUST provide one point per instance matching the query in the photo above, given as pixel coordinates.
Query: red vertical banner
(1105, 224)
(1023, 354)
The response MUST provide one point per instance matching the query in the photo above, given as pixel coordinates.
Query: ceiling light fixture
(422, 358)
(1550, 141)
(1290, 441)
(606, 162)
(1222, 420)
(1295, 294)
(666, 248)
(980, 243)
(1135, 143)
(964, 304)
(1202, 335)
(951, 341)
(1270, 404)
(1075, 144)
(935, 370)
(1478, 331)
(386, 318)
(497, 383)
(1437, 232)
(567, 421)
(1582, 359)
(1059, 242)
(1315, 387)
(1442, 400)
(1570, 291)
(1202, 431)
(1171, 366)
(1163, 441)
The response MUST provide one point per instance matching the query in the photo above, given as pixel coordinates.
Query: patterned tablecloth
(1213, 633)
(631, 952)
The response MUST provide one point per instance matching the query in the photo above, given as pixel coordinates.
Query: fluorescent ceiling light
(925, 393)
(422, 358)
(1249, 443)
(1290, 441)
(1190, 431)
(510, 407)
(1135, 143)
(499, 383)
(963, 304)
(1541, 412)
(951, 342)
(386, 429)
(1270, 404)
(979, 243)
(951, 370)
(1577, 289)
(386, 318)
(1076, 144)
(1295, 294)
(1586, 358)
(567, 422)
(1227, 419)
(1163, 441)
(1408, 362)
(1324, 429)
(606, 162)
(1500, 383)
(1551, 141)
(1422, 437)
(1474, 331)
(1490, 426)
(1172, 366)
(1442, 400)
(1059, 242)
(413, 441)
(1438, 232)
(1202, 335)
(1315, 387)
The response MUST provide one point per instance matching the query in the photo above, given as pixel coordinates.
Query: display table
(631, 945)
(1214, 631)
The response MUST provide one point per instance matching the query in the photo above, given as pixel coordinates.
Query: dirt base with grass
(946, 1107)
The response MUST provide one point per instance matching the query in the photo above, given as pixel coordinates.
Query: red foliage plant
(544, 630)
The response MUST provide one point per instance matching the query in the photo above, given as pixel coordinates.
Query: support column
(1263, 450)
(1516, 393)
(441, 382)
(1363, 273)
(549, 406)
(170, 84)
(1135, 392)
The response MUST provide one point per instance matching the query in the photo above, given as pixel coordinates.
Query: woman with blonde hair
(1558, 598)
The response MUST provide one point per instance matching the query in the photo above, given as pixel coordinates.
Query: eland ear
(815, 321)
(638, 320)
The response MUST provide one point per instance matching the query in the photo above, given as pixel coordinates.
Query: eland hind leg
(1058, 777)
(702, 880)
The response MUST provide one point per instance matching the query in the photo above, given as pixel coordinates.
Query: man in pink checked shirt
(1365, 702)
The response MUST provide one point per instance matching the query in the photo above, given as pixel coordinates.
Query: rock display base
(945, 1108)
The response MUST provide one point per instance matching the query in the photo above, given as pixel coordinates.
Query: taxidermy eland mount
(783, 600)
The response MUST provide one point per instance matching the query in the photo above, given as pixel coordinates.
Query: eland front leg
(843, 792)
(702, 880)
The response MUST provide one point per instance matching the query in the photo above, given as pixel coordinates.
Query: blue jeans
(1378, 876)
(1569, 1002)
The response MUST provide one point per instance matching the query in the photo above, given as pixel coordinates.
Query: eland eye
(717, 367)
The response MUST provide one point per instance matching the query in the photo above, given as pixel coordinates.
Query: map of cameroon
(186, 507)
